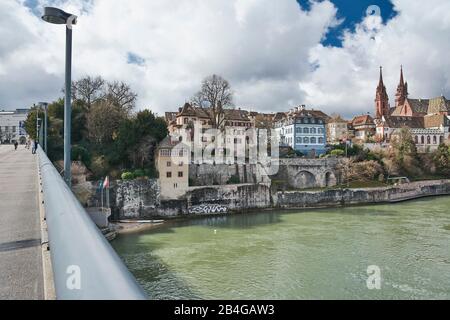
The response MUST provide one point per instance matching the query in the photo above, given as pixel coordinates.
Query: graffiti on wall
(208, 209)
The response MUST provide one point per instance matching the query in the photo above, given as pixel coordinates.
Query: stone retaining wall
(331, 198)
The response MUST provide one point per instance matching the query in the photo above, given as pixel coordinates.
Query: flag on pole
(106, 183)
(100, 185)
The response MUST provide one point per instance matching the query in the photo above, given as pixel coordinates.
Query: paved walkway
(20, 251)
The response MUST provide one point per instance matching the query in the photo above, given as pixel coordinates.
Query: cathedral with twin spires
(427, 119)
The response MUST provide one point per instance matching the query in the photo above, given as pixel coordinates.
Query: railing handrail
(85, 266)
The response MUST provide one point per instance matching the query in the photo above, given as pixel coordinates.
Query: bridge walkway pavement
(21, 275)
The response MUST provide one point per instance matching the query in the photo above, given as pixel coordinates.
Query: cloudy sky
(275, 53)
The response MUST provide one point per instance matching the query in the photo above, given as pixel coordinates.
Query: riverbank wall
(344, 197)
(140, 199)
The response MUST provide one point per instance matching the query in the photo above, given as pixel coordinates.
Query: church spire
(402, 90)
(381, 84)
(402, 81)
(382, 99)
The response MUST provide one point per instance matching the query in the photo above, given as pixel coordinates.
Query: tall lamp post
(45, 106)
(58, 16)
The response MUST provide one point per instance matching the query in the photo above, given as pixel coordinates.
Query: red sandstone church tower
(382, 99)
(402, 91)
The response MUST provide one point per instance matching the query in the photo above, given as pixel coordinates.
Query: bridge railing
(85, 266)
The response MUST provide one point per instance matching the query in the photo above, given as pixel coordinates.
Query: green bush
(80, 153)
(139, 173)
(150, 173)
(127, 176)
(337, 152)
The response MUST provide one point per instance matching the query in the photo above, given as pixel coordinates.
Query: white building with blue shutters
(303, 130)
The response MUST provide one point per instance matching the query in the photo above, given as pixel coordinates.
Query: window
(299, 140)
(306, 130)
(180, 174)
(169, 174)
(14, 129)
(416, 139)
(428, 140)
(298, 130)
(313, 130)
(169, 163)
(321, 140)
(434, 140)
(186, 120)
(313, 140)
(306, 140)
(441, 139)
(422, 139)
(320, 130)
(164, 153)
(181, 164)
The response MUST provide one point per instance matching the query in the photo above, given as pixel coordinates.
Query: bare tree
(120, 94)
(216, 95)
(89, 90)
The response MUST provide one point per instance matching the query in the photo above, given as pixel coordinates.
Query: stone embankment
(139, 199)
(342, 197)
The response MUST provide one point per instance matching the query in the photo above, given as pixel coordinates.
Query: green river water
(310, 254)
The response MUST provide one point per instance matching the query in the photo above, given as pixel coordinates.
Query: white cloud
(269, 50)
(418, 38)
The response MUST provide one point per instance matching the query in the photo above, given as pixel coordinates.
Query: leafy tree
(442, 159)
(404, 153)
(30, 122)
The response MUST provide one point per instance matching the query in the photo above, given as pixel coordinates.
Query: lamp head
(56, 16)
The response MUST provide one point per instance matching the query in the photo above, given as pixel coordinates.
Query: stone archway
(330, 179)
(305, 180)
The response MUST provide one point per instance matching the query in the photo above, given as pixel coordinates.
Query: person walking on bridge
(16, 144)
(35, 146)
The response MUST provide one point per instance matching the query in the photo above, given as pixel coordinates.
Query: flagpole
(102, 195)
(107, 194)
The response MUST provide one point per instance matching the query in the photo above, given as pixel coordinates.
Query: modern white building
(12, 126)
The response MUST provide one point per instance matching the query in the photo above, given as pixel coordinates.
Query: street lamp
(58, 16)
(45, 106)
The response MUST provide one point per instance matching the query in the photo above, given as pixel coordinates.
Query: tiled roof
(170, 142)
(236, 115)
(363, 120)
(170, 116)
(438, 105)
(419, 105)
(399, 122)
(206, 113)
(337, 119)
(436, 120)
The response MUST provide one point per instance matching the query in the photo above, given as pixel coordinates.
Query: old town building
(172, 164)
(304, 130)
(363, 128)
(12, 126)
(337, 130)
